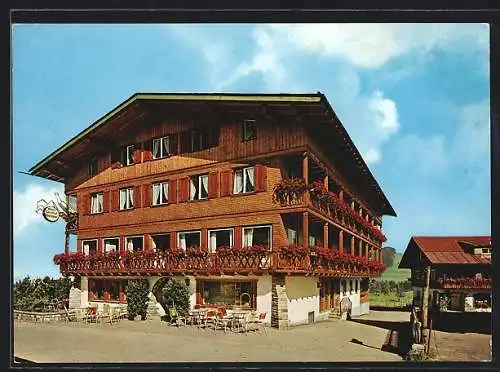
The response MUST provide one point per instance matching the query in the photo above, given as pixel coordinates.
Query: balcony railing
(293, 191)
(455, 283)
(233, 263)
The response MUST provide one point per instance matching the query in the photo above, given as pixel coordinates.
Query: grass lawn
(390, 300)
(395, 274)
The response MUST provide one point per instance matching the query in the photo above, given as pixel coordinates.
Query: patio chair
(241, 320)
(105, 314)
(261, 322)
(175, 317)
(91, 314)
(223, 320)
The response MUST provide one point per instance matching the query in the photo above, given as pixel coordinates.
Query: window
(127, 198)
(222, 237)
(111, 244)
(161, 147)
(160, 242)
(197, 140)
(189, 239)
(89, 246)
(129, 153)
(160, 193)
(249, 130)
(93, 168)
(198, 187)
(228, 293)
(96, 203)
(292, 236)
(134, 243)
(312, 240)
(259, 235)
(244, 180)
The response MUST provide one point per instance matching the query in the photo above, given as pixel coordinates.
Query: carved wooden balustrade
(465, 282)
(165, 263)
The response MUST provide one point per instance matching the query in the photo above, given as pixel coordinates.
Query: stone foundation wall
(279, 302)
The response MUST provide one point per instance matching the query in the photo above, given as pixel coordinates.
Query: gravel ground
(153, 341)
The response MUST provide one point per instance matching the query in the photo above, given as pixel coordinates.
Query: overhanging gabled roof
(137, 107)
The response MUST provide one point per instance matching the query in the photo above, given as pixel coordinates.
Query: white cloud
(24, 205)
(386, 118)
(372, 156)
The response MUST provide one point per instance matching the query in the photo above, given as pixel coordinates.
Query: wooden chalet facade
(460, 272)
(253, 198)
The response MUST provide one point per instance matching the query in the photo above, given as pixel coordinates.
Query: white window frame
(231, 239)
(133, 236)
(245, 122)
(163, 152)
(162, 202)
(244, 191)
(199, 176)
(104, 243)
(186, 232)
(95, 196)
(256, 227)
(127, 206)
(129, 160)
(200, 134)
(89, 240)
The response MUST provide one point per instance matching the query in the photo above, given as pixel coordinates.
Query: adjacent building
(460, 272)
(259, 201)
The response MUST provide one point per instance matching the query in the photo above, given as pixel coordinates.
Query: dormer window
(249, 130)
(161, 147)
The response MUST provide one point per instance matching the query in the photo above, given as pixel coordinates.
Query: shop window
(229, 293)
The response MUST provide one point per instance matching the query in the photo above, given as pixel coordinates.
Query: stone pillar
(305, 228)
(341, 240)
(279, 302)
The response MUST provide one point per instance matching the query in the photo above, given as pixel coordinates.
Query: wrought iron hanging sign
(52, 211)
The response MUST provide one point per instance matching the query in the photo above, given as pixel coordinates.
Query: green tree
(137, 298)
(388, 254)
(175, 292)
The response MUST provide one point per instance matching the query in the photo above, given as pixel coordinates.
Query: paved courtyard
(153, 341)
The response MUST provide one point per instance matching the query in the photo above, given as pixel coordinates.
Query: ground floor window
(89, 246)
(227, 293)
(107, 289)
(160, 242)
(134, 243)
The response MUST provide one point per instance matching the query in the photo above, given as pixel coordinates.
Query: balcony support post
(341, 240)
(66, 243)
(305, 168)
(352, 245)
(360, 251)
(305, 229)
(325, 235)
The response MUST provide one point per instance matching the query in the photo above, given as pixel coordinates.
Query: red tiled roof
(448, 250)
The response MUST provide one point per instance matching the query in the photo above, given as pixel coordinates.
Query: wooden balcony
(165, 263)
(449, 282)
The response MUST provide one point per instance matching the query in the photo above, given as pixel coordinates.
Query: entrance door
(457, 302)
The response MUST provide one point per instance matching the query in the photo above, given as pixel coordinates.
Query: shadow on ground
(462, 322)
(397, 340)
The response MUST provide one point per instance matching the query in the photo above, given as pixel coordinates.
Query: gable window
(258, 235)
(189, 239)
(134, 243)
(93, 168)
(249, 130)
(96, 203)
(244, 180)
(89, 246)
(160, 193)
(218, 238)
(127, 198)
(161, 147)
(129, 155)
(198, 187)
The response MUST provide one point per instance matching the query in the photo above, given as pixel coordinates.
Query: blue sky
(413, 97)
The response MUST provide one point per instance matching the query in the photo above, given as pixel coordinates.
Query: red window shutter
(237, 237)
(146, 192)
(260, 177)
(213, 185)
(183, 189)
(106, 201)
(172, 191)
(115, 200)
(137, 197)
(226, 181)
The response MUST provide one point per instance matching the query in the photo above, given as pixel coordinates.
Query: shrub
(175, 292)
(137, 298)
